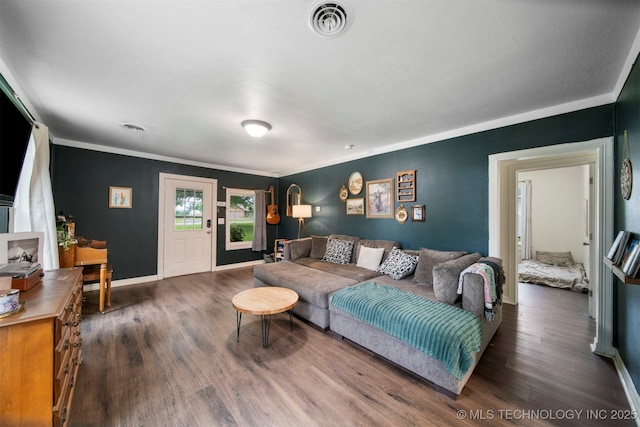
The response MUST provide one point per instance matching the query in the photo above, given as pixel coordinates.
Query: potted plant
(65, 227)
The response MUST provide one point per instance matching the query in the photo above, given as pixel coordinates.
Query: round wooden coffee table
(264, 301)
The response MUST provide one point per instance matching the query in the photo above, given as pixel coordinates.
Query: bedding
(572, 277)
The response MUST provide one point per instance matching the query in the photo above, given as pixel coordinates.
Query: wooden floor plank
(166, 353)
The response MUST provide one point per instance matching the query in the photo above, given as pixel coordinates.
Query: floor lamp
(301, 212)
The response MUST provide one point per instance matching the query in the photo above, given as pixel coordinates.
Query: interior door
(188, 231)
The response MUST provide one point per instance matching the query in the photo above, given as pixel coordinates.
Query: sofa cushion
(398, 264)
(428, 259)
(350, 271)
(369, 258)
(312, 285)
(338, 251)
(446, 276)
(318, 246)
(297, 248)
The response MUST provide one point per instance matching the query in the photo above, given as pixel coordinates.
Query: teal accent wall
(627, 297)
(451, 181)
(81, 180)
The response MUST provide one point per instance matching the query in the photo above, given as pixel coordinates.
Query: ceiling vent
(329, 19)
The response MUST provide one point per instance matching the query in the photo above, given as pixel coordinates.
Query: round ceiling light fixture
(329, 19)
(256, 128)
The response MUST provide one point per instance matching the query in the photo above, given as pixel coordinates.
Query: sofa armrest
(473, 294)
(297, 248)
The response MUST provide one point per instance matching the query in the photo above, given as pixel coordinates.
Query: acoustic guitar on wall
(272, 210)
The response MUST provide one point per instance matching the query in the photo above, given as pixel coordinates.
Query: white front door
(187, 225)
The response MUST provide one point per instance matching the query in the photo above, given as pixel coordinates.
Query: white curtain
(259, 223)
(525, 218)
(33, 204)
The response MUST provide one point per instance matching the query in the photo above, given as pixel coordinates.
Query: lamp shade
(256, 128)
(301, 211)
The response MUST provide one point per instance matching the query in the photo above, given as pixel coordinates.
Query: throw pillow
(428, 259)
(370, 258)
(446, 276)
(318, 246)
(398, 264)
(338, 251)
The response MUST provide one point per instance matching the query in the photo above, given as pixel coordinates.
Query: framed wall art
(417, 213)
(380, 198)
(120, 197)
(355, 183)
(355, 206)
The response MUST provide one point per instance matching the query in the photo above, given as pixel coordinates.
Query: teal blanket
(447, 333)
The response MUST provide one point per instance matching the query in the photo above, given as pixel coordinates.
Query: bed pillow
(559, 259)
(398, 264)
(370, 258)
(428, 259)
(338, 251)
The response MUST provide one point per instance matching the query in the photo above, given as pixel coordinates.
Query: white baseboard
(145, 279)
(122, 282)
(238, 265)
(627, 384)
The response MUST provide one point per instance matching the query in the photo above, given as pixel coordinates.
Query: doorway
(186, 232)
(555, 229)
(503, 170)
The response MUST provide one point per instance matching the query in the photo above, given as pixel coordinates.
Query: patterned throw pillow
(338, 251)
(398, 264)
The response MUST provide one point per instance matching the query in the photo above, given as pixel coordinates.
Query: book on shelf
(622, 247)
(614, 247)
(635, 264)
(630, 255)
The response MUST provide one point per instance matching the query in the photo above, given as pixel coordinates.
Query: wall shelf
(406, 186)
(619, 274)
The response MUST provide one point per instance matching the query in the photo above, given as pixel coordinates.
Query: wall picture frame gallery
(120, 197)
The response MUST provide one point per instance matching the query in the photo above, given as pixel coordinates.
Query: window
(188, 210)
(240, 218)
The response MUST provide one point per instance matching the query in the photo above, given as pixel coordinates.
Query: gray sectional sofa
(319, 268)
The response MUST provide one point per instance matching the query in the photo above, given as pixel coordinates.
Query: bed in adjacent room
(555, 269)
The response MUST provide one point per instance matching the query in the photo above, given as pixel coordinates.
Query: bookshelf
(278, 250)
(619, 274)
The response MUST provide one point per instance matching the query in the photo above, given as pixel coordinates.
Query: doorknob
(585, 243)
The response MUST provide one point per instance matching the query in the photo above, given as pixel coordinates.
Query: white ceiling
(404, 73)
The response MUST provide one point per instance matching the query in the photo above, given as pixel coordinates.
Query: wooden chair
(96, 267)
(91, 273)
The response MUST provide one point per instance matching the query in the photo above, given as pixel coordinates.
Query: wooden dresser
(40, 352)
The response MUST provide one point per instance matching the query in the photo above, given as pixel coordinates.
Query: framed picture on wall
(355, 206)
(417, 213)
(380, 198)
(120, 197)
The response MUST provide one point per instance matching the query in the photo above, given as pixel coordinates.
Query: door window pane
(188, 210)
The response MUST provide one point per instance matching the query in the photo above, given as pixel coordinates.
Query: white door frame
(503, 169)
(161, 217)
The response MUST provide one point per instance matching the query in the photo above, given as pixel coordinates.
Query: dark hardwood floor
(165, 354)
